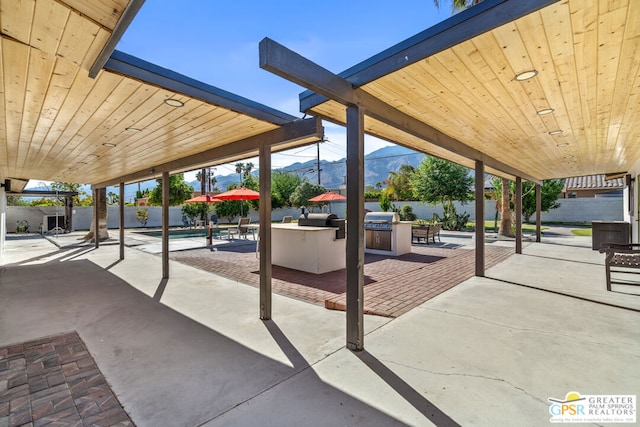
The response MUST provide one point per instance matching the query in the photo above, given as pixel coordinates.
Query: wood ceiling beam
(123, 23)
(147, 72)
(287, 64)
(293, 131)
(483, 17)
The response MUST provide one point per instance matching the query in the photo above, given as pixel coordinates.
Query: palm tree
(505, 207)
(247, 169)
(99, 197)
(459, 5)
(239, 169)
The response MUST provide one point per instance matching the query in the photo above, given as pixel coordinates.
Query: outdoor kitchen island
(314, 249)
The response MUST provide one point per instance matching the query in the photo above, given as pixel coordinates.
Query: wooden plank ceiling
(58, 124)
(587, 55)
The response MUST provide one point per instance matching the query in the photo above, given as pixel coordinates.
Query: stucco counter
(311, 249)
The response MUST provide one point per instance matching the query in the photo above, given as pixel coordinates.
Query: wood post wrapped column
(165, 225)
(479, 218)
(121, 206)
(518, 215)
(265, 232)
(355, 228)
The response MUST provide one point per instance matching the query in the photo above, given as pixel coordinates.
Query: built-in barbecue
(385, 234)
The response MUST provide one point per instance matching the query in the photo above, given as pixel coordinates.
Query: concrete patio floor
(191, 350)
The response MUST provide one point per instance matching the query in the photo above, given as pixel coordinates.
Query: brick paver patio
(54, 381)
(393, 285)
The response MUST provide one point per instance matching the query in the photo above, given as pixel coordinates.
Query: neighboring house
(592, 186)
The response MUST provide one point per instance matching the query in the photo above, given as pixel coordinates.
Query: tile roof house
(592, 186)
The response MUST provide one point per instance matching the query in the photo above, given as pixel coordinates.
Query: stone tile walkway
(393, 285)
(54, 381)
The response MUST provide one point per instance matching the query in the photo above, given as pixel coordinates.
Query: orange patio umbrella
(203, 198)
(240, 193)
(327, 197)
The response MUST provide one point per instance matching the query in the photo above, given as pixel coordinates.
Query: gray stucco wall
(571, 210)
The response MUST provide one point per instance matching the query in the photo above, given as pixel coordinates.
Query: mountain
(377, 166)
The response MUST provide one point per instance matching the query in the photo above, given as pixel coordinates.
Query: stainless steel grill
(380, 220)
(378, 228)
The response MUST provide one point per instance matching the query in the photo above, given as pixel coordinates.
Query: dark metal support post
(355, 228)
(264, 233)
(121, 220)
(96, 207)
(538, 212)
(165, 225)
(479, 218)
(518, 214)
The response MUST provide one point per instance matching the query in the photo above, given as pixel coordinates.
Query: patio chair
(622, 263)
(434, 231)
(286, 219)
(242, 230)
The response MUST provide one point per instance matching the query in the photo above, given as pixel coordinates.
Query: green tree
(196, 210)
(439, 181)
(239, 169)
(384, 202)
(549, 192)
(305, 191)
(71, 186)
(399, 183)
(283, 184)
(142, 215)
(248, 167)
(13, 200)
(112, 198)
(179, 191)
(458, 5)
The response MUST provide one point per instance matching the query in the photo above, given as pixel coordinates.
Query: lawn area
(582, 232)
(488, 226)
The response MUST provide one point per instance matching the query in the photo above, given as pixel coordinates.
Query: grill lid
(382, 217)
(317, 220)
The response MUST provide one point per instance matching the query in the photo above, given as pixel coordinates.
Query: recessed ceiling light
(133, 129)
(108, 144)
(562, 144)
(555, 132)
(545, 111)
(174, 102)
(526, 75)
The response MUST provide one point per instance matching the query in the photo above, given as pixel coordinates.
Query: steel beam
(264, 233)
(138, 69)
(538, 212)
(287, 64)
(165, 225)
(479, 175)
(121, 206)
(518, 215)
(116, 34)
(355, 229)
(294, 131)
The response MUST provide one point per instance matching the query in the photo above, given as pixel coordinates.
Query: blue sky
(217, 42)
